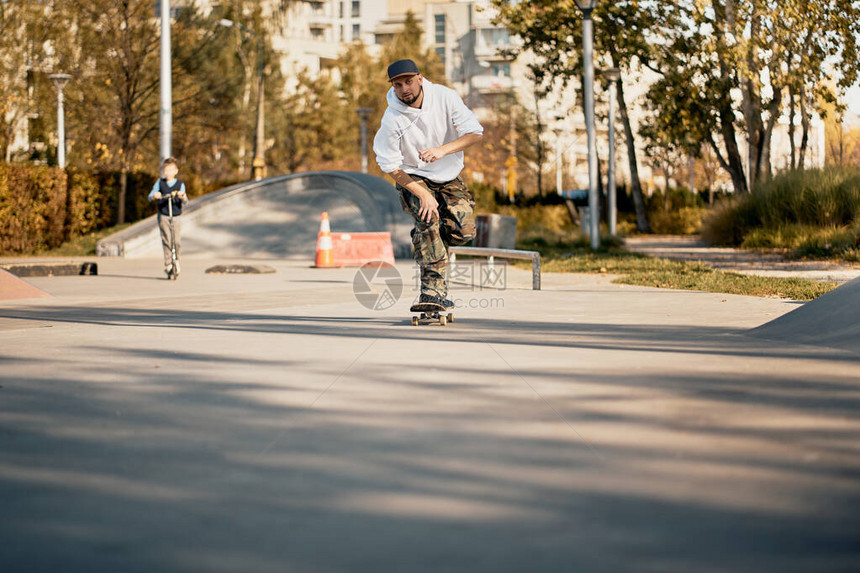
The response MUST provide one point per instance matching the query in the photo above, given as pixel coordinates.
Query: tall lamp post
(588, 88)
(613, 75)
(364, 113)
(60, 81)
(258, 165)
(165, 123)
(558, 159)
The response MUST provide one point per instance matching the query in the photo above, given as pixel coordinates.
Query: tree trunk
(735, 165)
(123, 186)
(804, 122)
(732, 163)
(841, 153)
(791, 111)
(691, 167)
(666, 175)
(246, 101)
(539, 145)
(642, 224)
(601, 194)
(571, 210)
(751, 104)
(764, 170)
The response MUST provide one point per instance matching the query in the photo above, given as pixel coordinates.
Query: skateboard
(430, 314)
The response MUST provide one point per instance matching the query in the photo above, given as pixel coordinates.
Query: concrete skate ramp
(277, 217)
(832, 320)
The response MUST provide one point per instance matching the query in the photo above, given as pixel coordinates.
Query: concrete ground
(262, 423)
(692, 248)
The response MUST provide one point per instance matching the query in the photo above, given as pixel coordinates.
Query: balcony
(320, 17)
(492, 84)
(320, 21)
(487, 54)
(490, 42)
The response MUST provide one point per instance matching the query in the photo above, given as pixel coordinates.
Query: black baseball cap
(402, 68)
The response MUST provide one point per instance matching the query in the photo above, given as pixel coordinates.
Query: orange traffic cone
(324, 256)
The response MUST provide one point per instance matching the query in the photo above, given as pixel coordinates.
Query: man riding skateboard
(420, 144)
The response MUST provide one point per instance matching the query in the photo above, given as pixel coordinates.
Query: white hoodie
(442, 118)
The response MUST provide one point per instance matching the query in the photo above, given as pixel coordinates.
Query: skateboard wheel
(442, 320)
(414, 321)
(423, 315)
(450, 317)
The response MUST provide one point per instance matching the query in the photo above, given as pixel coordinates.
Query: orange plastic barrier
(356, 249)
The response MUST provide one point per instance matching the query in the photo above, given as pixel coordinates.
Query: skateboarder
(420, 144)
(170, 194)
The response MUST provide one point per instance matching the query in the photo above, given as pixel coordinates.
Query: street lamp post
(258, 165)
(613, 75)
(364, 113)
(588, 87)
(60, 81)
(558, 160)
(165, 123)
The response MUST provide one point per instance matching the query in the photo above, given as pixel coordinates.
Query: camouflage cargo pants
(455, 226)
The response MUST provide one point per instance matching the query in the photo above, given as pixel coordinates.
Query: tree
(320, 126)
(28, 38)
(315, 121)
(843, 138)
(407, 44)
(215, 75)
(116, 98)
(553, 32)
(758, 49)
(208, 117)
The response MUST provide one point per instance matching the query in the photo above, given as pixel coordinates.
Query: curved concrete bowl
(277, 217)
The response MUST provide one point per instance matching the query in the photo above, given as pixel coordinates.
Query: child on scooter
(170, 194)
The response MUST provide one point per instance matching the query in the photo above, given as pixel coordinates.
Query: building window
(495, 37)
(440, 51)
(342, 9)
(356, 8)
(439, 20)
(356, 31)
(501, 70)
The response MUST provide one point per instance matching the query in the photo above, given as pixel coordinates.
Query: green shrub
(676, 212)
(84, 212)
(682, 221)
(41, 207)
(536, 216)
(32, 207)
(138, 183)
(788, 211)
(832, 242)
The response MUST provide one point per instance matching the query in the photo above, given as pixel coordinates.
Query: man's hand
(157, 195)
(429, 209)
(432, 154)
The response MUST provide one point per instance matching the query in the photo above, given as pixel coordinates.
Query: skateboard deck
(429, 313)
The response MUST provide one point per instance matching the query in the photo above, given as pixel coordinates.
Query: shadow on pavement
(156, 459)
